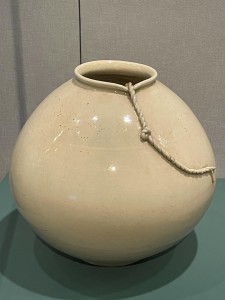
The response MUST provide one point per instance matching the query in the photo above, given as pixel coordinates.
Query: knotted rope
(147, 136)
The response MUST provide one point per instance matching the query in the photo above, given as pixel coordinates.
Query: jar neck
(115, 74)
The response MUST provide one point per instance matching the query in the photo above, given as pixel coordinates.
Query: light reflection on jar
(95, 118)
(127, 119)
(112, 168)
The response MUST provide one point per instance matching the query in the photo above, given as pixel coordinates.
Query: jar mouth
(115, 74)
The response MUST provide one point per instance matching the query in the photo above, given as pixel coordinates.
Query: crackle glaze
(90, 187)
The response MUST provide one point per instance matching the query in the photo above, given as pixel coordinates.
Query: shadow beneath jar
(33, 265)
(117, 282)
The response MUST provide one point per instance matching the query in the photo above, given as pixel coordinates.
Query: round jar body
(91, 188)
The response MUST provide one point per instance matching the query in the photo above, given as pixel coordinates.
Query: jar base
(110, 264)
(127, 263)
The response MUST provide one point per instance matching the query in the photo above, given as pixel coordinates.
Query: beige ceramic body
(89, 187)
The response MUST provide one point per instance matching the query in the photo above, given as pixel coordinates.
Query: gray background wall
(41, 41)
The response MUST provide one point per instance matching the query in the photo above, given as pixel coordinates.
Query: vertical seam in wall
(20, 81)
(79, 8)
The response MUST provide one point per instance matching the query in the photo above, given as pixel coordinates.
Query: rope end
(213, 175)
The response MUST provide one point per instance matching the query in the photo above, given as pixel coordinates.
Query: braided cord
(147, 136)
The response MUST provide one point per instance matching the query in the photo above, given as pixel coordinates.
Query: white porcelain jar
(90, 187)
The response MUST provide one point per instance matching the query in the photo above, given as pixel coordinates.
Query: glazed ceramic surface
(90, 187)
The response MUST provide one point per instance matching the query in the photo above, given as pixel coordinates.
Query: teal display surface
(193, 270)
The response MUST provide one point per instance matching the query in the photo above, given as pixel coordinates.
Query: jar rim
(115, 67)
